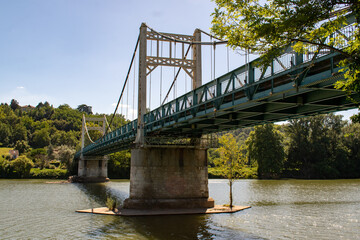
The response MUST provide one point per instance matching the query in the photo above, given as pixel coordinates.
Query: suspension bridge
(168, 161)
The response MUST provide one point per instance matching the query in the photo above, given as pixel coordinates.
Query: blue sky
(78, 51)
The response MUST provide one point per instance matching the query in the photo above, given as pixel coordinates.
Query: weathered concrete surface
(168, 177)
(92, 169)
(152, 212)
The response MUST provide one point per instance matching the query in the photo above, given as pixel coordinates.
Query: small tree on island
(230, 161)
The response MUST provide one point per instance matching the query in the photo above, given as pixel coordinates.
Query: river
(281, 209)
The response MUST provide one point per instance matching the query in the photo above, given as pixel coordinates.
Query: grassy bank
(4, 152)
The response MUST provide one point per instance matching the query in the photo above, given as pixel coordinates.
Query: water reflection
(99, 192)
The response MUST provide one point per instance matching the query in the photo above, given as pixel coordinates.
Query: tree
(85, 108)
(265, 146)
(315, 147)
(39, 156)
(19, 133)
(230, 161)
(65, 154)
(119, 164)
(5, 134)
(41, 138)
(14, 104)
(22, 166)
(351, 140)
(22, 146)
(269, 28)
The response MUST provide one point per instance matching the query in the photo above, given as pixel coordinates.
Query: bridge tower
(92, 168)
(165, 176)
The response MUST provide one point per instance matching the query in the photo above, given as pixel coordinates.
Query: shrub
(21, 166)
(48, 173)
(111, 203)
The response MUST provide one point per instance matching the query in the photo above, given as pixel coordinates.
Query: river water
(281, 209)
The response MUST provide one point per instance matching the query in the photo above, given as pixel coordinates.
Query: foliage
(111, 203)
(41, 138)
(5, 168)
(85, 108)
(5, 134)
(65, 154)
(22, 146)
(14, 104)
(21, 166)
(265, 147)
(355, 118)
(315, 147)
(119, 165)
(230, 156)
(269, 28)
(38, 156)
(351, 141)
(246, 172)
(48, 173)
(4, 151)
(230, 160)
(45, 133)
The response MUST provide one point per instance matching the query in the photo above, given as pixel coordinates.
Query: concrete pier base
(168, 177)
(92, 169)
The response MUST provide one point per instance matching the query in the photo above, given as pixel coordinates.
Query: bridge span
(291, 86)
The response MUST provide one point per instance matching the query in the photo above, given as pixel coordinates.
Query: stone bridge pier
(169, 177)
(92, 169)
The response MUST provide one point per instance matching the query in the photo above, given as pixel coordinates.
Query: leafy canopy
(231, 159)
(269, 28)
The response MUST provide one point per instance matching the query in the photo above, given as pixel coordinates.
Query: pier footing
(155, 212)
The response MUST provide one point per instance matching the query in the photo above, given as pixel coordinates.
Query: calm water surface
(285, 209)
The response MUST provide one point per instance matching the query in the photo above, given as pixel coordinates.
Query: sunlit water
(284, 209)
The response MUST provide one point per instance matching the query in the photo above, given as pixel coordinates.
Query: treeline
(46, 138)
(322, 146)
(317, 147)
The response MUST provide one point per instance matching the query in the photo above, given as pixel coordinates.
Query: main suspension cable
(126, 80)
(87, 133)
(107, 122)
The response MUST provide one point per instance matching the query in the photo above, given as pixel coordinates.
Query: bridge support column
(92, 169)
(168, 177)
